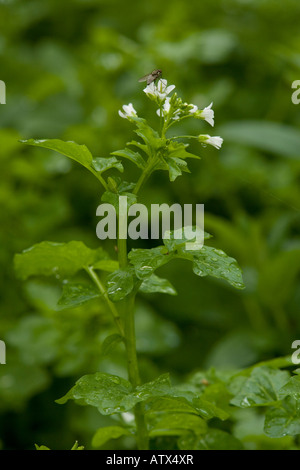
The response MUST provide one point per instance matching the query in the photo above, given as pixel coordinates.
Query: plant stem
(110, 304)
(145, 175)
(127, 309)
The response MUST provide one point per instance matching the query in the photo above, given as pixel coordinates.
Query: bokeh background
(68, 67)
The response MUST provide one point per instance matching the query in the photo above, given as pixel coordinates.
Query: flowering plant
(155, 408)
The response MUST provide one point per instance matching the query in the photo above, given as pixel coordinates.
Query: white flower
(161, 90)
(128, 111)
(215, 141)
(166, 109)
(208, 114)
(193, 108)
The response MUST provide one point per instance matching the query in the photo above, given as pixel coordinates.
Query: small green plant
(187, 412)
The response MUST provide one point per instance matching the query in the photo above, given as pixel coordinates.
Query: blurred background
(69, 67)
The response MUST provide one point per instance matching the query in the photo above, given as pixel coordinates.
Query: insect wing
(150, 77)
(145, 78)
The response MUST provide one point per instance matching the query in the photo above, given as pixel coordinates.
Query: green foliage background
(68, 67)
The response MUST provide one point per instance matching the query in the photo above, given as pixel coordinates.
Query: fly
(150, 77)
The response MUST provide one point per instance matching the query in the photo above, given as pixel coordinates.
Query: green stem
(127, 308)
(145, 175)
(110, 304)
(122, 252)
(99, 177)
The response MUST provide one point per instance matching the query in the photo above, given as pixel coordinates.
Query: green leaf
(292, 388)
(134, 157)
(120, 283)
(76, 446)
(141, 146)
(101, 164)
(214, 439)
(56, 259)
(261, 388)
(209, 410)
(283, 420)
(157, 284)
(149, 135)
(169, 404)
(175, 167)
(109, 343)
(217, 395)
(79, 153)
(42, 447)
(75, 294)
(106, 265)
(145, 261)
(103, 435)
(112, 394)
(178, 150)
(104, 391)
(158, 387)
(174, 424)
(177, 238)
(213, 262)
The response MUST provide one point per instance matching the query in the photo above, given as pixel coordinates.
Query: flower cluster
(172, 109)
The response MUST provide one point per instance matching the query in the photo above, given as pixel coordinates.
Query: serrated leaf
(75, 294)
(103, 435)
(101, 164)
(283, 420)
(56, 259)
(261, 388)
(109, 343)
(157, 284)
(134, 157)
(145, 261)
(120, 283)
